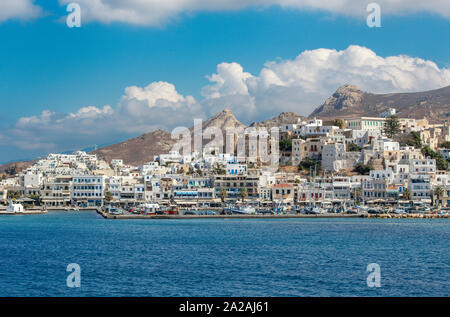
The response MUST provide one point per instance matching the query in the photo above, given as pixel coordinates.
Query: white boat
(150, 208)
(312, 210)
(280, 207)
(242, 210)
(14, 208)
(400, 211)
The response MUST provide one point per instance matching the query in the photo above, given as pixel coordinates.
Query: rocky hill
(349, 101)
(138, 150)
(143, 148)
(10, 169)
(283, 118)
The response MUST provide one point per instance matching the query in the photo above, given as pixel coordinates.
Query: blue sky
(44, 65)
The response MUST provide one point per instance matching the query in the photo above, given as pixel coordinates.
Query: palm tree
(243, 193)
(223, 195)
(357, 195)
(438, 192)
(407, 194)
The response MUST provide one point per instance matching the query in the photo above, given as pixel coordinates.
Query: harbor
(228, 256)
(116, 213)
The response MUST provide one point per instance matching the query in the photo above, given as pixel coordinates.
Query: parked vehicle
(115, 211)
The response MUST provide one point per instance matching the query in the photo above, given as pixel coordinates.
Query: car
(115, 211)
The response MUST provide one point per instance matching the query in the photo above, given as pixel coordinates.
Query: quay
(27, 212)
(273, 216)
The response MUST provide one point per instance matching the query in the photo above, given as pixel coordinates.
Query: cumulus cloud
(299, 84)
(157, 12)
(305, 82)
(18, 9)
(140, 110)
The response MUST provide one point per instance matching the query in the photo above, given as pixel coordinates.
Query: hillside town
(345, 165)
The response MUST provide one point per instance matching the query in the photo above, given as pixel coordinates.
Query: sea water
(222, 257)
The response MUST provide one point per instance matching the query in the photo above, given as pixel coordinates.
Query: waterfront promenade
(273, 216)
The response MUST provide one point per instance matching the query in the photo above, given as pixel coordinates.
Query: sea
(82, 254)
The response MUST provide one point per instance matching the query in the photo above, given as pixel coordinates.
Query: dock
(275, 216)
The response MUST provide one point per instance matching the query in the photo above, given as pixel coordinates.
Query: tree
(338, 123)
(357, 195)
(13, 194)
(285, 145)
(308, 163)
(414, 140)
(441, 163)
(243, 194)
(391, 127)
(439, 192)
(219, 169)
(407, 194)
(352, 147)
(223, 195)
(445, 145)
(363, 169)
(108, 197)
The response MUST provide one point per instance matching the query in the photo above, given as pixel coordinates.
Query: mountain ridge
(346, 102)
(349, 101)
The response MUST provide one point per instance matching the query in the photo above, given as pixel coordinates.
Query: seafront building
(324, 163)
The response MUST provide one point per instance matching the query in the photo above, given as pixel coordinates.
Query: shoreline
(286, 216)
(254, 216)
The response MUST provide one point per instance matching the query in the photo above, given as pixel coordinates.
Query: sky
(138, 65)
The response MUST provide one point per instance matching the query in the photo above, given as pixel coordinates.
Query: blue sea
(222, 257)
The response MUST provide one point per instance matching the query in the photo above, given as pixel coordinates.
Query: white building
(88, 190)
(365, 123)
(424, 166)
(420, 187)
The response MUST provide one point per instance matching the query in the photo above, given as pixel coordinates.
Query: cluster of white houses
(199, 180)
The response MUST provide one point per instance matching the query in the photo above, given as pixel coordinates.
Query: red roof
(282, 186)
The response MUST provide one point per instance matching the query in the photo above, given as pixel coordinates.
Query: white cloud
(299, 85)
(140, 110)
(305, 82)
(157, 12)
(18, 9)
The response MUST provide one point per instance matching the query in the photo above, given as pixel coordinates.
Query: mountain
(138, 150)
(142, 149)
(350, 101)
(13, 168)
(222, 120)
(283, 118)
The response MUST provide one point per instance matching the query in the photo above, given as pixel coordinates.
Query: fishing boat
(171, 210)
(241, 210)
(280, 207)
(313, 209)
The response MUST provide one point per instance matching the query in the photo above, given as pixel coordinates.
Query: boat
(150, 209)
(265, 211)
(14, 208)
(171, 210)
(312, 210)
(374, 211)
(280, 208)
(400, 211)
(241, 210)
